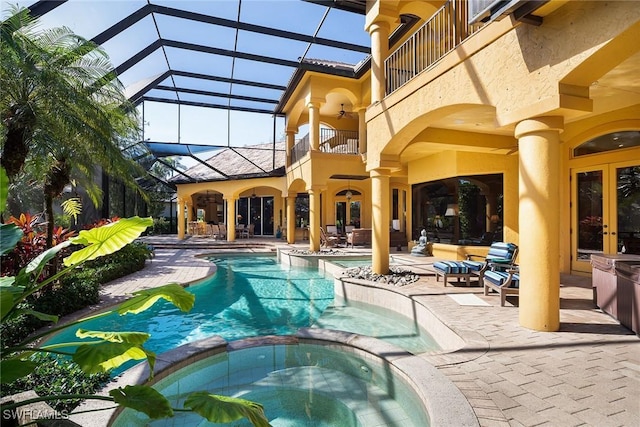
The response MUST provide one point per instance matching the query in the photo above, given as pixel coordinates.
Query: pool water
(298, 385)
(254, 296)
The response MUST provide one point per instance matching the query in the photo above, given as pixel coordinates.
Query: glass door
(605, 213)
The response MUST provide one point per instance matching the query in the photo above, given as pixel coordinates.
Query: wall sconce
(494, 219)
(349, 194)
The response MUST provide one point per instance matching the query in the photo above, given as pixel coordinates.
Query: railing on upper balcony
(331, 141)
(300, 149)
(339, 141)
(442, 33)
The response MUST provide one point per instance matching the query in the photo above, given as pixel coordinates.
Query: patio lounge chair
(504, 282)
(503, 255)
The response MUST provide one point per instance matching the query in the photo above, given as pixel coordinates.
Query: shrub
(57, 376)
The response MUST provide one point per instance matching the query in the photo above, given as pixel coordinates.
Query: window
(302, 210)
(461, 211)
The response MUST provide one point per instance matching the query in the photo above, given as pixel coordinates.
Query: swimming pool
(254, 296)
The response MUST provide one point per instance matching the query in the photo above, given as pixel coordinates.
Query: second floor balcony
(331, 141)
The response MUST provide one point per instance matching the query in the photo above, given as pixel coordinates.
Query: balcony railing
(331, 141)
(300, 149)
(446, 30)
(339, 141)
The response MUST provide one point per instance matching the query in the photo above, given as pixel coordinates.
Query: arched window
(609, 142)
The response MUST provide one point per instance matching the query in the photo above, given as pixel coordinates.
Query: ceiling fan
(343, 113)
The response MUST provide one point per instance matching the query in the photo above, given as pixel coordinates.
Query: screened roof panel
(199, 62)
(271, 46)
(221, 8)
(233, 54)
(130, 41)
(265, 73)
(190, 31)
(191, 83)
(296, 16)
(346, 27)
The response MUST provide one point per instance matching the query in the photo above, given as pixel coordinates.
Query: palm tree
(61, 114)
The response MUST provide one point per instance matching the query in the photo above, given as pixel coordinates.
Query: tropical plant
(105, 350)
(63, 110)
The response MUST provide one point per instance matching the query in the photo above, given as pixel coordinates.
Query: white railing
(339, 141)
(442, 33)
(331, 141)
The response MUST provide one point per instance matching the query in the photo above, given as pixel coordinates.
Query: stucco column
(314, 125)
(291, 219)
(539, 217)
(379, 32)
(189, 211)
(291, 140)
(314, 220)
(231, 219)
(180, 218)
(362, 132)
(380, 205)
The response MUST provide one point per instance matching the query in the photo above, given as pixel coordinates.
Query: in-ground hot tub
(318, 378)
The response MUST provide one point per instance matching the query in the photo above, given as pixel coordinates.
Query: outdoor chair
(505, 282)
(332, 230)
(328, 241)
(503, 255)
(241, 231)
(213, 230)
(251, 230)
(222, 231)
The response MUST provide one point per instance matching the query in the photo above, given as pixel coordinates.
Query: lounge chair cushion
(501, 252)
(451, 267)
(499, 278)
(474, 265)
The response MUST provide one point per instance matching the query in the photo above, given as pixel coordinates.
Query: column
(291, 219)
(189, 210)
(180, 218)
(380, 196)
(379, 32)
(362, 132)
(231, 219)
(539, 208)
(314, 125)
(314, 220)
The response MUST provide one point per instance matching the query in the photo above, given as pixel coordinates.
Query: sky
(197, 125)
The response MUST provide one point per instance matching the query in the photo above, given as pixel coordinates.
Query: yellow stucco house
(515, 121)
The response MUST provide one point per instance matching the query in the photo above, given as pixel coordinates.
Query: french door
(605, 212)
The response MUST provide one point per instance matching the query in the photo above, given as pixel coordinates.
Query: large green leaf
(104, 356)
(136, 338)
(42, 316)
(4, 189)
(10, 235)
(9, 293)
(107, 239)
(224, 409)
(13, 369)
(144, 299)
(144, 399)
(39, 262)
